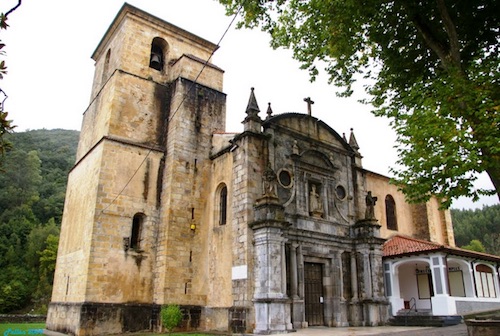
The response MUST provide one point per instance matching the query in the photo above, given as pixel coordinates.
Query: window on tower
(137, 228)
(157, 56)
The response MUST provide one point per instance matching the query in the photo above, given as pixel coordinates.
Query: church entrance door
(313, 282)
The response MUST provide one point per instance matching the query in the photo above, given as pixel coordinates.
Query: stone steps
(423, 318)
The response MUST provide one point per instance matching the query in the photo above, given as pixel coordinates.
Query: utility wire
(173, 114)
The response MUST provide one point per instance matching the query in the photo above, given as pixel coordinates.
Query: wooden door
(313, 282)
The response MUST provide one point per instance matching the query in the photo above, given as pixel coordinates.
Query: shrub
(171, 316)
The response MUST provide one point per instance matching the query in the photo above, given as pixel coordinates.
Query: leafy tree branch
(435, 71)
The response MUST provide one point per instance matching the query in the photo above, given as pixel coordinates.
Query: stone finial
(252, 121)
(252, 107)
(269, 111)
(352, 141)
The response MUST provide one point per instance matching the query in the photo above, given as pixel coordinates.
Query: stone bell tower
(129, 239)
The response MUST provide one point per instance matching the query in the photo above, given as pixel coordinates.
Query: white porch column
(442, 302)
(391, 280)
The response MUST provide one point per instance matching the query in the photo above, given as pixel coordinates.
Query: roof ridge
(416, 240)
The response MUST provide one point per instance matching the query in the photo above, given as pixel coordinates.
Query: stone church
(265, 231)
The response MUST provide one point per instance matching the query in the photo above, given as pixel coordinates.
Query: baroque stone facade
(264, 231)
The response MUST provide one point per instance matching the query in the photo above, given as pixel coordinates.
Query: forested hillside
(479, 224)
(33, 177)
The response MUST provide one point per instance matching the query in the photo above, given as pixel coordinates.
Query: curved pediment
(316, 158)
(309, 127)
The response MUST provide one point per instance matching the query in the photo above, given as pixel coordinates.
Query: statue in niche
(295, 149)
(315, 202)
(269, 182)
(370, 206)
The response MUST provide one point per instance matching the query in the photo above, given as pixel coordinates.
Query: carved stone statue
(295, 149)
(370, 206)
(269, 182)
(315, 202)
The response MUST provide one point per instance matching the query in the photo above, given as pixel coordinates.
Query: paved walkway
(457, 330)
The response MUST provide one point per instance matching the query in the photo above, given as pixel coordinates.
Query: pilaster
(272, 306)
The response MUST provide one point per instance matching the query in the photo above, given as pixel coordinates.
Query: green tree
(32, 188)
(5, 124)
(481, 224)
(475, 245)
(435, 72)
(14, 288)
(47, 268)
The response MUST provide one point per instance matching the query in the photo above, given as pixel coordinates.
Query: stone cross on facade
(309, 103)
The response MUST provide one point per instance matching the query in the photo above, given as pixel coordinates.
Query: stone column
(283, 268)
(293, 272)
(340, 275)
(369, 244)
(272, 306)
(367, 276)
(354, 277)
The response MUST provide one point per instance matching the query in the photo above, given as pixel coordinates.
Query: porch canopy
(443, 280)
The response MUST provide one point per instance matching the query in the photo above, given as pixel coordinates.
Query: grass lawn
(7, 329)
(14, 329)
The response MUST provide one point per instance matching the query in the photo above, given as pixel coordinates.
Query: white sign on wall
(239, 272)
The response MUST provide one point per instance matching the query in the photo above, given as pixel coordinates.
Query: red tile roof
(399, 246)
(403, 245)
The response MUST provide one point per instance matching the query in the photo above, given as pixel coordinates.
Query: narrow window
(157, 56)
(390, 213)
(137, 226)
(223, 206)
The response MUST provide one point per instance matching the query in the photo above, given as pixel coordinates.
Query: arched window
(157, 56)
(137, 228)
(485, 282)
(390, 213)
(222, 204)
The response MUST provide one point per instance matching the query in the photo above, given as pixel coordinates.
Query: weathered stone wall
(130, 50)
(182, 259)
(422, 221)
(440, 222)
(76, 229)
(111, 263)
(219, 260)
(249, 163)
(101, 318)
(144, 149)
(312, 153)
(380, 187)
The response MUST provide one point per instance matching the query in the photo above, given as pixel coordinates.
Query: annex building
(276, 228)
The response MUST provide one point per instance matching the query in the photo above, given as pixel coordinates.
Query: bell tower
(128, 242)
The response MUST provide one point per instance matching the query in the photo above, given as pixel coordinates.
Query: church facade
(272, 229)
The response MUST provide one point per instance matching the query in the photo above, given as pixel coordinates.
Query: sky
(50, 72)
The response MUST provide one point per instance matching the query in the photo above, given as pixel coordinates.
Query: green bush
(171, 316)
